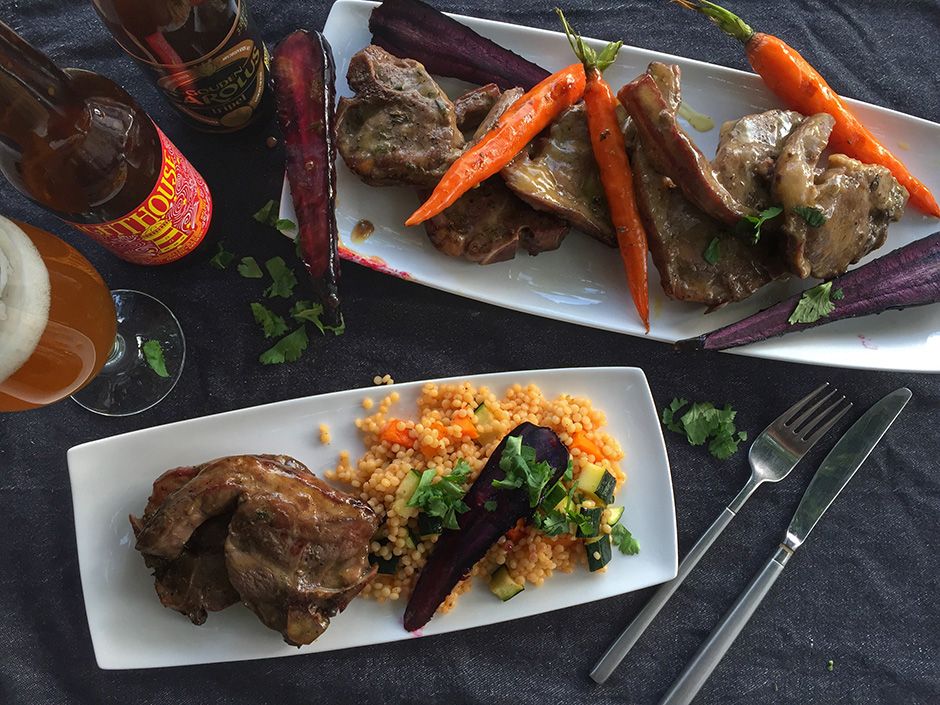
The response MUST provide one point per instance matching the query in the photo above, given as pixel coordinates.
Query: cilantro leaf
(222, 258)
(249, 269)
(751, 224)
(712, 253)
(287, 349)
(285, 224)
(813, 216)
(814, 304)
(552, 523)
(267, 214)
(518, 463)
(154, 356)
(307, 311)
(703, 422)
(272, 324)
(836, 295)
(283, 276)
(624, 540)
(443, 498)
(490, 506)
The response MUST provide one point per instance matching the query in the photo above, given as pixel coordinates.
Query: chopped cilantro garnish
(267, 214)
(222, 258)
(552, 523)
(813, 216)
(284, 279)
(285, 224)
(272, 324)
(712, 253)
(518, 462)
(490, 506)
(249, 269)
(154, 356)
(624, 540)
(307, 311)
(703, 422)
(443, 498)
(815, 304)
(751, 224)
(831, 664)
(287, 349)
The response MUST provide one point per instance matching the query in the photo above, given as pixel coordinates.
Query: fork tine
(785, 416)
(797, 422)
(818, 433)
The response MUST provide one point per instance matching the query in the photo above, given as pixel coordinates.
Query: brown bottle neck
(29, 74)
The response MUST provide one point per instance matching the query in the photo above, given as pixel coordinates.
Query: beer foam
(25, 297)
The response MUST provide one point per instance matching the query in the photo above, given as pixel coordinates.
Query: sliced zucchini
(556, 498)
(484, 418)
(593, 515)
(428, 525)
(598, 552)
(613, 515)
(502, 584)
(387, 566)
(596, 483)
(405, 490)
(411, 539)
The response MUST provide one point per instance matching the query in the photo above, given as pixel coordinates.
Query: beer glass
(62, 333)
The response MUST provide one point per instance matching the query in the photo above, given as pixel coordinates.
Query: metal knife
(834, 474)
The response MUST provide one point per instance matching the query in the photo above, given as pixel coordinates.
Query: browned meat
(474, 105)
(400, 128)
(747, 151)
(295, 549)
(196, 582)
(653, 100)
(488, 224)
(499, 107)
(857, 199)
(679, 233)
(558, 174)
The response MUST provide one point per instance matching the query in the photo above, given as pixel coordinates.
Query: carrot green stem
(728, 22)
(588, 56)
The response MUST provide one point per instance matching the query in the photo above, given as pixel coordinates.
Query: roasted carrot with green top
(522, 121)
(610, 152)
(800, 86)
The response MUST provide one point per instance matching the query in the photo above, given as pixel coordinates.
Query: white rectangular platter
(583, 282)
(112, 478)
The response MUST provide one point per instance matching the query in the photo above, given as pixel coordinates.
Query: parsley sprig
(751, 224)
(518, 462)
(443, 498)
(815, 303)
(701, 422)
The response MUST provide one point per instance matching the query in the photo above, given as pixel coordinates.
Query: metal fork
(772, 456)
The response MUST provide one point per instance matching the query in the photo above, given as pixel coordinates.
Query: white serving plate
(583, 282)
(113, 477)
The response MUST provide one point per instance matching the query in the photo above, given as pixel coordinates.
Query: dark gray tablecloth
(861, 594)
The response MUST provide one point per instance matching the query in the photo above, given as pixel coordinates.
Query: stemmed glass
(63, 333)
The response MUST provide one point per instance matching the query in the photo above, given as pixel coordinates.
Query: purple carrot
(411, 29)
(304, 79)
(908, 276)
(458, 550)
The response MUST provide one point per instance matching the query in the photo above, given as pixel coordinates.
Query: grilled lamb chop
(558, 174)
(400, 129)
(195, 582)
(857, 199)
(653, 101)
(296, 550)
(472, 107)
(678, 234)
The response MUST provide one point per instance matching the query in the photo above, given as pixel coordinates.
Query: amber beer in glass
(77, 144)
(57, 318)
(205, 56)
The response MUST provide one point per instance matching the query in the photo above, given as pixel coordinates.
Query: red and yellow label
(169, 224)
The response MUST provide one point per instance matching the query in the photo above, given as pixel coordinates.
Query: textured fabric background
(863, 592)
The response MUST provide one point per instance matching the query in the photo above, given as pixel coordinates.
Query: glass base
(128, 384)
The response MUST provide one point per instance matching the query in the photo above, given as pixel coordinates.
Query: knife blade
(846, 457)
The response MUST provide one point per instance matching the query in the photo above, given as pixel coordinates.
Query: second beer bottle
(205, 56)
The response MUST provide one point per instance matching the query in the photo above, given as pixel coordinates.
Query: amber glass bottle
(75, 143)
(205, 56)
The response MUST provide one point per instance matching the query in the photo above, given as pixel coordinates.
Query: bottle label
(169, 224)
(222, 90)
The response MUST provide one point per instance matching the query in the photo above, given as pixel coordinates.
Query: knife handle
(619, 649)
(711, 652)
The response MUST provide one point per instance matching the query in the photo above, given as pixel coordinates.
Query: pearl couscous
(439, 439)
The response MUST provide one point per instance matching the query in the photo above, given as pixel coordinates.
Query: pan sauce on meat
(258, 529)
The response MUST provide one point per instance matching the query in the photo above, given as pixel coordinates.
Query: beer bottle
(205, 56)
(75, 143)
